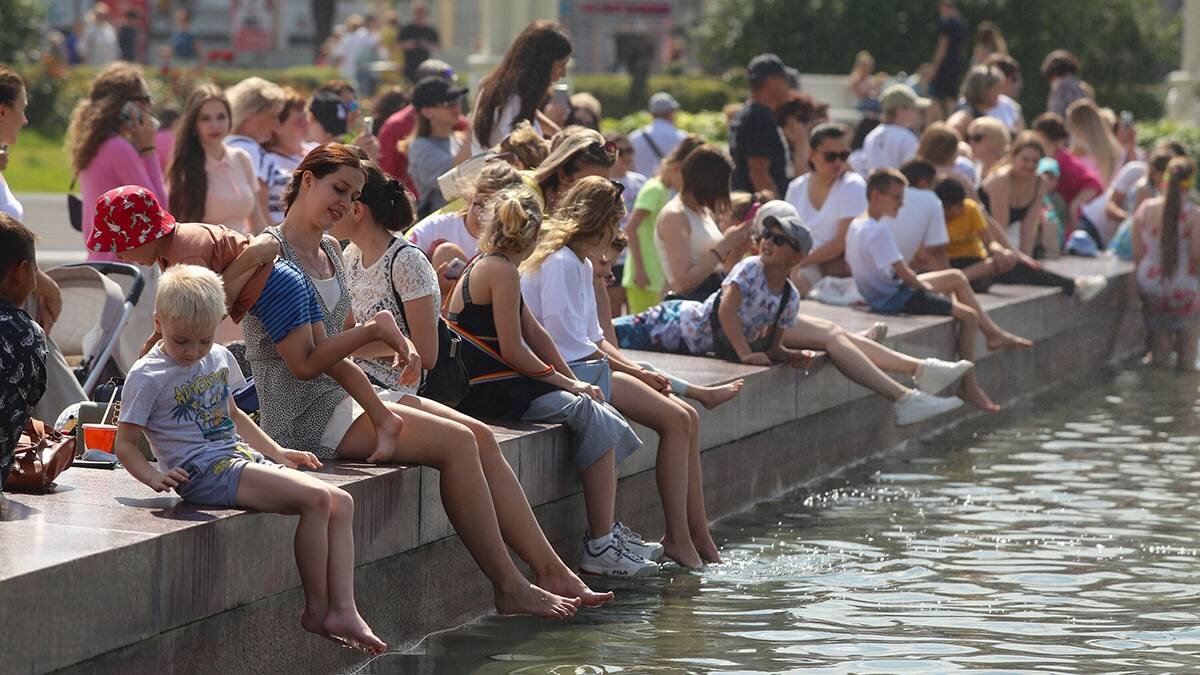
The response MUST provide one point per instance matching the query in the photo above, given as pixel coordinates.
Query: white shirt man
(656, 140)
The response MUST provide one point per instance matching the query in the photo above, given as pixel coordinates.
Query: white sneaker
(1088, 287)
(634, 543)
(612, 560)
(917, 406)
(934, 375)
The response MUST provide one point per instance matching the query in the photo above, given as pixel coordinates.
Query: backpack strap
(653, 146)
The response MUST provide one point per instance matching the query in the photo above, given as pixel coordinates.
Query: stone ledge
(104, 546)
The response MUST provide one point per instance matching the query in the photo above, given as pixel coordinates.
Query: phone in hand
(454, 268)
(368, 124)
(131, 113)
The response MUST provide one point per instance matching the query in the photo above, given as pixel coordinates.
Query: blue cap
(1048, 165)
(1081, 243)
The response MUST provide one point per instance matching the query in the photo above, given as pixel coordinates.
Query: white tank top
(703, 236)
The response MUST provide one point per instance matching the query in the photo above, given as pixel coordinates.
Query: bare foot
(711, 397)
(568, 585)
(387, 431)
(313, 621)
(684, 554)
(349, 626)
(707, 548)
(975, 395)
(1007, 341)
(533, 601)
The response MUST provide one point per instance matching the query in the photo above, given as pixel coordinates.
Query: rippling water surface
(1059, 536)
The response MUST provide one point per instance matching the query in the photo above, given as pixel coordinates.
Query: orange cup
(99, 437)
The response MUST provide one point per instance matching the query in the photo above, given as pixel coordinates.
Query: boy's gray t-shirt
(184, 409)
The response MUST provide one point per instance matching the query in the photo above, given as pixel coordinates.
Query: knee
(341, 504)
(693, 416)
(967, 315)
(460, 444)
(316, 499)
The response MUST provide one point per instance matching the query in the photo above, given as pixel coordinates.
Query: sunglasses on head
(603, 152)
(836, 156)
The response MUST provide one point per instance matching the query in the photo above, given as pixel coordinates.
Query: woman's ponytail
(1179, 180)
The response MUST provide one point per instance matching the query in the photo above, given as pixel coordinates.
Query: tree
(1127, 47)
(22, 29)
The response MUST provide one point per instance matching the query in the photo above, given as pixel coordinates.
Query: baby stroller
(95, 310)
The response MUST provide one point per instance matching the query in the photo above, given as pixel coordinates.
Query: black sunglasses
(776, 238)
(601, 152)
(836, 156)
(976, 138)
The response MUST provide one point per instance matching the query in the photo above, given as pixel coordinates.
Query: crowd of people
(437, 270)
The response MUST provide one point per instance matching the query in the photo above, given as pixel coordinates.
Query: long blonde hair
(1088, 128)
(512, 218)
(1179, 178)
(590, 211)
(98, 117)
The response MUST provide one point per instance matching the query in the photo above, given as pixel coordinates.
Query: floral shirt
(1178, 295)
(692, 323)
(371, 291)
(22, 377)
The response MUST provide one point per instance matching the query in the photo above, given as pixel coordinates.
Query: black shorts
(915, 301)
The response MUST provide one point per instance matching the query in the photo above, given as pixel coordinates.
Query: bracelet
(148, 148)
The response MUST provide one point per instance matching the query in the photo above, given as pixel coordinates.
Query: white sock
(599, 543)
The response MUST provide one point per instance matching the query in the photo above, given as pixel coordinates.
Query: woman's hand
(294, 459)
(369, 144)
(735, 238)
(169, 480)
(141, 131)
(411, 375)
(579, 387)
(640, 278)
(657, 381)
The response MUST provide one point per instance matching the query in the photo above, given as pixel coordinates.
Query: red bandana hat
(128, 217)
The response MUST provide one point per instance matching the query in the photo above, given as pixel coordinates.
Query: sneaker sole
(644, 572)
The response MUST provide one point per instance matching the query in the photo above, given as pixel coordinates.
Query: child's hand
(264, 249)
(169, 480)
(294, 459)
(756, 359)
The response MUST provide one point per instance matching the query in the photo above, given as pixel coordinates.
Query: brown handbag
(41, 455)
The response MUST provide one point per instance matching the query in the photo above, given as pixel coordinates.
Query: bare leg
(697, 514)
(323, 573)
(640, 403)
(518, 526)
(600, 494)
(355, 382)
(812, 333)
(969, 390)
(451, 448)
(955, 282)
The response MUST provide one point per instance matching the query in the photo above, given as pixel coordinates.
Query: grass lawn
(38, 163)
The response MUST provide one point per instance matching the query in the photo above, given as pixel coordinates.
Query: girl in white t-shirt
(826, 199)
(514, 89)
(557, 285)
(450, 237)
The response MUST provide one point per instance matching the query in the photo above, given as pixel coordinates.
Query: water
(1059, 536)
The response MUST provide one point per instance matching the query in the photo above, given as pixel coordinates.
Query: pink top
(116, 163)
(231, 190)
(164, 145)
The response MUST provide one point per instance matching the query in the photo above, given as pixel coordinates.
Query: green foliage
(22, 22)
(1127, 47)
(692, 92)
(710, 124)
(1150, 133)
(37, 163)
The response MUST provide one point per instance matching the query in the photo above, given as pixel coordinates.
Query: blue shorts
(287, 302)
(915, 301)
(596, 372)
(213, 476)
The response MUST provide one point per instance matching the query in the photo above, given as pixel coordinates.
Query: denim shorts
(915, 301)
(213, 476)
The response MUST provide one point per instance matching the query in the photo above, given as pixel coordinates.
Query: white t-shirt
(888, 145)
(278, 169)
(352, 50)
(560, 295)
(967, 168)
(1007, 111)
(506, 118)
(847, 198)
(871, 251)
(920, 222)
(8, 201)
(256, 152)
(439, 227)
(665, 136)
(1125, 181)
